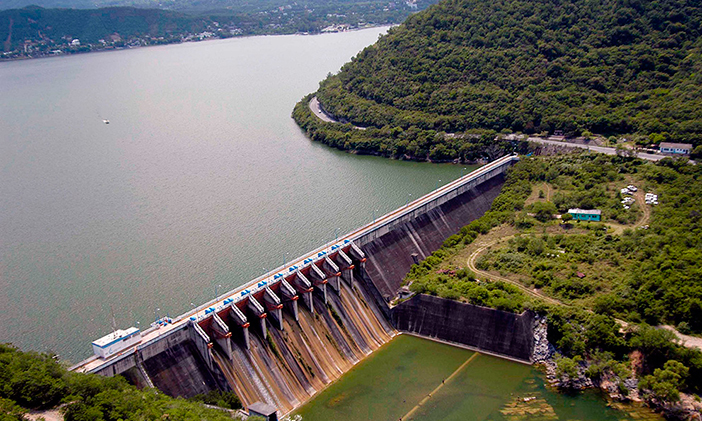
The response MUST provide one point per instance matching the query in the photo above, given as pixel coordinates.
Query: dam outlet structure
(286, 335)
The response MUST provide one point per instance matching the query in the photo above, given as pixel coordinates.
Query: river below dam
(412, 378)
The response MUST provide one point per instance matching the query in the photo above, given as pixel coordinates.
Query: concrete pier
(221, 334)
(259, 313)
(332, 272)
(304, 288)
(291, 297)
(346, 266)
(240, 320)
(273, 306)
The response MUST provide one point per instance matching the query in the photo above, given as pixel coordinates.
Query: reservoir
(200, 182)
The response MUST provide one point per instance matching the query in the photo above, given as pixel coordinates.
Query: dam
(284, 336)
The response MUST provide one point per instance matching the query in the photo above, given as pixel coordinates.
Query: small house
(676, 148)
(586, 214)
(264, 410)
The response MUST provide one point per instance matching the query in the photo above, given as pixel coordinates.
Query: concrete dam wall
(391, 255)
(284, 336)
(486, 329)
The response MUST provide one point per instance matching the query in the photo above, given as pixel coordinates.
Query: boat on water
(106, 121)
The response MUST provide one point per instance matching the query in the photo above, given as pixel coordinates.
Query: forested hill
(607, 66)
(49, 28)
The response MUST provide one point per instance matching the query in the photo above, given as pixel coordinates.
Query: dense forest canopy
(31, 380)
(607, 66)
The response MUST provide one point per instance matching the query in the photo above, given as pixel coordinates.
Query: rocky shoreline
(619, 390)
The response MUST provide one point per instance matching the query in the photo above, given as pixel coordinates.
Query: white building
(75, 42)
(116, 341)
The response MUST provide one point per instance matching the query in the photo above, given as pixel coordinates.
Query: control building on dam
(285, 335)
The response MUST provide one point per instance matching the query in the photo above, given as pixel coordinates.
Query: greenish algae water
(392, 382)
(388, 383)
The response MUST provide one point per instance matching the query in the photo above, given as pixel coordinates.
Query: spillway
(289, 366)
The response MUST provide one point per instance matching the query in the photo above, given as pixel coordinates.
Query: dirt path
(471, 265)
(688, 341)
(48, 415)
(641, 199)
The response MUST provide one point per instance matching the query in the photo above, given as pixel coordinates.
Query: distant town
(34, 32)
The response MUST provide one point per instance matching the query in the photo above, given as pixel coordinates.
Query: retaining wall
(483, 328)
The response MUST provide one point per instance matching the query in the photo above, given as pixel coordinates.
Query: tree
(566, 218)
(568, 369)
(543, 211)
(665, 383)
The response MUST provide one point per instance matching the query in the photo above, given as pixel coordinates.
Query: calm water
(395, 379)
(201, 179)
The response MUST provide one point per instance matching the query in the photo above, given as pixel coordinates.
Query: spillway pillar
(222, 335)
(346, 265)
(358, 255)
(319, 281)
(333, 273)
(304, 287)
(203, 344)
(290, 296)
(239, 319)
(259, 313)
(274, 306)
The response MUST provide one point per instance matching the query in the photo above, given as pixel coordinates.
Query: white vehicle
(631, 187)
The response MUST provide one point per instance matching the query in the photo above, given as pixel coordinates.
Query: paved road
(601, 149)
(319, 112)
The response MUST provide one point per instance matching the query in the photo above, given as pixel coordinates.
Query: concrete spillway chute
(274, 306)
(259, 313)
(221, 335)
(239, 319)
(290, 295)
(304, 287)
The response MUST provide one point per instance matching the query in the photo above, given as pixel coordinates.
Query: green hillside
(53, 26)
(607, 66)
(37, 381)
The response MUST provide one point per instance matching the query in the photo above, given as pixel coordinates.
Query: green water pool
(416, 379)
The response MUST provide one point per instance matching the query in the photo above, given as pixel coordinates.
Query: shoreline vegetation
(602, 286)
